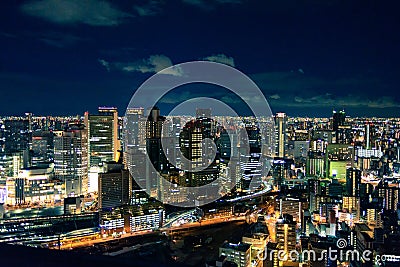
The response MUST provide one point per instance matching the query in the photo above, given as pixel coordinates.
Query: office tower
(71, 159)
(17, 135)
(335, 189)
(352, 205)
(154, 124)
(374, 218)
(353, 181)
(42, 146)
(258, 243)
(131, 129)
(343, 131)
(299, 149)
(115, 186)
(339, 157)
(224, 144)
(102, 128)
(285, 230)
(314, 187)
(135, 141)
(389, 193)
(198, 152)
(278, 170)
(315, 164)
(239, 253)
(338, 119)
(252, 169)
(154, 151)
(293, 207)
(281, 126)
(367, 136)
(10, 165)
(320, 140)
(154, 127)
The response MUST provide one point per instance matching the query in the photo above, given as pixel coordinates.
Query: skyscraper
(251, 178)
(198, 152)
(131, 131)
(353, 181)
(115, 186)
(42, 146)
(389, 193)
(281, 125)
(71, 159)
(17, 135)
(154, 127)
(342, 130)
(286, 234)
(102, 128)
(194, 149)
(338, 119)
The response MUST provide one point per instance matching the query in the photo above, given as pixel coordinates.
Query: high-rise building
(374, 218)
(342, 130)
(339, 157)
(154, 124)
(293, 207)
(239, 253)
(279, 172)
(251, 168)
(197, 152)
(338, 119)
(17, 135)
(353, 181)
(335, 189)
(102, 128)
(390, 194)
(281, 135)
(315, 164)
(285, 229)
(71, 159)
(115, 186)
(42, 146)
(131, 128)
(154, 151)
(352, 205)
(367, 136)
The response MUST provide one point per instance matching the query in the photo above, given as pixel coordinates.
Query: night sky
(308, 57)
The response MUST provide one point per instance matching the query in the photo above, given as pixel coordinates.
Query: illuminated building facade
(33, 185)
(281, 134)
(71, 159)
(239, 253)
(115, 186)
(102, 128)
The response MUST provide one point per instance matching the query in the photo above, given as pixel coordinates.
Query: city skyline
(308, 59)
(247, 133)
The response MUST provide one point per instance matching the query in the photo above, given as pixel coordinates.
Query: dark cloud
(90, 12)
(149, 8)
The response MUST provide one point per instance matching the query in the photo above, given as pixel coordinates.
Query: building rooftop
(243, 247)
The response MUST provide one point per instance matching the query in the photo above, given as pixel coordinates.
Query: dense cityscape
(247, 133)
(328, 185)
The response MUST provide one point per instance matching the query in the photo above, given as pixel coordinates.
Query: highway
(266, 190)
(90, 240)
